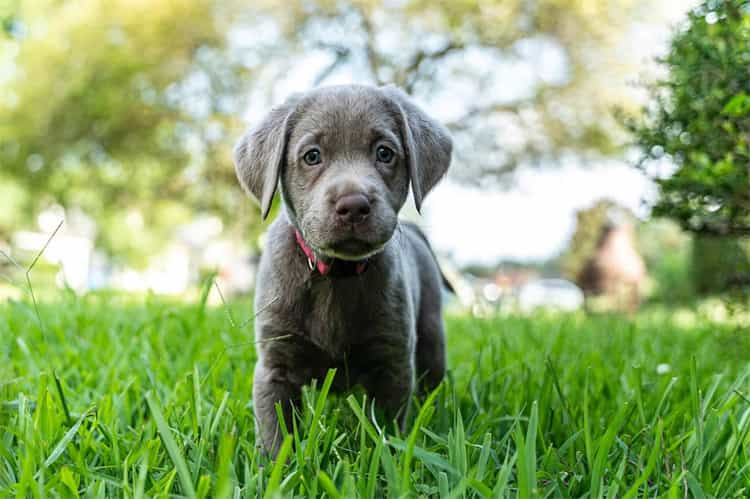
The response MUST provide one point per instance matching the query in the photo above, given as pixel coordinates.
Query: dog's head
(344, 157)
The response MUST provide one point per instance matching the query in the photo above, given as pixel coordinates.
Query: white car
(550, 293)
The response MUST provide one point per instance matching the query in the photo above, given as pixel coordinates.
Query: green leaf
(66, 439)
(169, 443)
(281, 458)
(739, 105)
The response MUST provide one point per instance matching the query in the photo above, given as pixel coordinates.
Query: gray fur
(381, 329)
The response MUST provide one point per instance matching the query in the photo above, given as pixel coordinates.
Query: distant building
(616, 269)
(196, 250)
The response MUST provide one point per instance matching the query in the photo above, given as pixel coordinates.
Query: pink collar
(343, 267)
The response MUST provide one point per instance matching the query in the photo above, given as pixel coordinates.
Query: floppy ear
(259, 154)
(428, 145)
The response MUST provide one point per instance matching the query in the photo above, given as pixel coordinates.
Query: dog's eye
(312, 157)
(384, 154)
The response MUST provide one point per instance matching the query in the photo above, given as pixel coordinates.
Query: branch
(373, 59)
(411, 73)
(730, 232)
(481, 111)
(340, 54)
(422, 55)
(482, 160)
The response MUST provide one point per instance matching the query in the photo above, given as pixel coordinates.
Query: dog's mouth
(352, 249)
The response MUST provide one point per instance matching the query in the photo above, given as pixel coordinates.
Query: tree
(116, 108)
(439, 50)
(699, 118)
(129, 109)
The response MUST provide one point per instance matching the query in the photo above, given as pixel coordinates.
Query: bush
(720, 263)
(666, 249)
(699, 118)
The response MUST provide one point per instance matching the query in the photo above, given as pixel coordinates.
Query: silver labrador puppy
(342, 284)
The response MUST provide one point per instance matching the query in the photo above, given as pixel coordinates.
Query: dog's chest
(343, 315)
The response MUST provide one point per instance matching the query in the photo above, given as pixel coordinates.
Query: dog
(342, 283)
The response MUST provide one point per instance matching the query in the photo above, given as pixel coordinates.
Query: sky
(531, 221)
(534, 218)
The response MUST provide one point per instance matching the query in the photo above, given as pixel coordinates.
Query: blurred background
(601, 147)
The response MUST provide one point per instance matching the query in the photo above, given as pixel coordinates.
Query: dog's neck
(325, 266)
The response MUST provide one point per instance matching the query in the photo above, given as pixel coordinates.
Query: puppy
(342, 284)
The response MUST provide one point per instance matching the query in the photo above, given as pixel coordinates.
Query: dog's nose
(352, 208)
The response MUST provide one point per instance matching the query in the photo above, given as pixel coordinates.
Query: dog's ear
(259, 154)
(428, 145)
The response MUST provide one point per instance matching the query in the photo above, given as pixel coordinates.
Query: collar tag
(341, 268)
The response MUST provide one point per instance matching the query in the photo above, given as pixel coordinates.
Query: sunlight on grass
(143, 397)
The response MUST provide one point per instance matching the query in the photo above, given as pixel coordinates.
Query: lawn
(109, 396)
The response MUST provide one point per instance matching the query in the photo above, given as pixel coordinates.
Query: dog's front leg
(392, 392)
(272, 385)
(390, 378)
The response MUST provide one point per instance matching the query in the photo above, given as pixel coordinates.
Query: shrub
(699, 117)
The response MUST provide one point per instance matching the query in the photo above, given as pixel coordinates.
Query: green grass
(114, 397)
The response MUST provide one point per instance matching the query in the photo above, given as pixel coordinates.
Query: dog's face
(345, 176)
(344, 156)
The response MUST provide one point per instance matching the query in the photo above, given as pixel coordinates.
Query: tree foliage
(128, 109)
(439, 51)
(116, 108)
(699, 118)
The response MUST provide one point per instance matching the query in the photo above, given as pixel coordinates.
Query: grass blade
(531, 446)
(140, 486)
(274, 482)
(650, 464)
(66, 439)
(169, 443)
(426, 409)
(602, 453)
(318, 413)
(327, 484)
